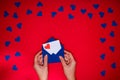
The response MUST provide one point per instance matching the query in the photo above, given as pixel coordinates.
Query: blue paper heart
(102, 40)
(73, 7)
(103, 73)
(17, 54)
(6, 13)
(39, 13)
(90, 15)
(110, 10)
(114, 23)
(112, 48)
(103, 25)
(96, 6)
(17, 39)
(19, 25)
(102, 56)
(14, 67)
(70, 16)
(112, 34)
(39, 4)
(101, 14)
(17, 4)
(7, 57)
(83, 11)
(29, 12)
(61, 9)
(53, 14)
(113, 65)
(7, 43)
(15, 15)
(9, 28)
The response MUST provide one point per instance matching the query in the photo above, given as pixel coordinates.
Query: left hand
(40, 67)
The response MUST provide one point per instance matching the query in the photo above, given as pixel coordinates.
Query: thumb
(62, 60)
(46, 61)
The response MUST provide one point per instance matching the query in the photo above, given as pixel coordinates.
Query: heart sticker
(47, 46)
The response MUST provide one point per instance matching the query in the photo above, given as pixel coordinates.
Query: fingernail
(59, 56)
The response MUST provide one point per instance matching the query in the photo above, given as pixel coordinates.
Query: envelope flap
(51, 39)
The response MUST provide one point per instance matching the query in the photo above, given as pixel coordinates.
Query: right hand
(69, 64)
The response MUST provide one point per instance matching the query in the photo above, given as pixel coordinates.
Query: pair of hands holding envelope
(68, 63)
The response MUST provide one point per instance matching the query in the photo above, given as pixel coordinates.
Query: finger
(39, 56)
(62, 60)
(69, 55)
(46, 61)
(35, 59)
(67, 60)
(40, 60)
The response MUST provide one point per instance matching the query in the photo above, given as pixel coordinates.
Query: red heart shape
(47, 46)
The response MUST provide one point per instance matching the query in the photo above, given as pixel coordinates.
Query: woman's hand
(40, 67)
(68, 64)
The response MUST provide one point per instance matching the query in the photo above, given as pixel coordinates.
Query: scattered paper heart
(61, 9)
(83, 11)
(15, 15)
(17, 4)
(6, 13)
(9, 28)
(101, 14)
(96, 6)
(7, 43)
(17, 39)
(7, 57)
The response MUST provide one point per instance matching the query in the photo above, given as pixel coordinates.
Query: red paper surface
(80, 35)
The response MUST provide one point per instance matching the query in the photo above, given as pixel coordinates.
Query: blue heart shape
(112, 34)
(90, 15)
(19, 25)
(9, 28)
(14, 67)
(39, 4)
(29, 12)
(102, 40)
(17, 54)
(101, 14)
(61, 9)
(96, 6)
(15, 15)
(7, 43)
(113, 65)
(102, 56)
(114, 23)
(103, 73)
(73, 7)
(112, 48)
(53, 14)
(110, 10)
(17, 4)
(17, 39)
(7, 57)
(6, 13)
(39, 13)
(103, 25)
(70, 16)
(83, 11)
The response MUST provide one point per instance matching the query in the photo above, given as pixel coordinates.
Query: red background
(80, 35)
